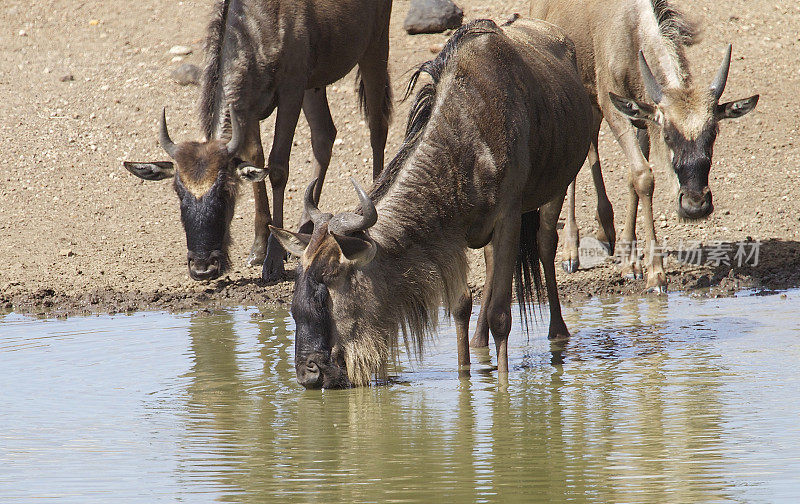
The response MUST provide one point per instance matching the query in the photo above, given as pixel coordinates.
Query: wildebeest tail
(386, 109)
(527, 275)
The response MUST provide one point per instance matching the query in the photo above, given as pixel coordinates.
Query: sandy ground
(79, 234)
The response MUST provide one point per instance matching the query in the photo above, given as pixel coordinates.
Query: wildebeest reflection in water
(491, 146)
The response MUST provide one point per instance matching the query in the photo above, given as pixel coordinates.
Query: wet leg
(505, 245)
(461, 314)
(547, 237)
(481, 337)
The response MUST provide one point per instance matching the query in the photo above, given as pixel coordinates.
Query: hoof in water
(570, 266)
(657, 289)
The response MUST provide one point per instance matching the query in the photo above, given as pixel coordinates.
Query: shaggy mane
(423, 103)
(211, 72)
(674, 25)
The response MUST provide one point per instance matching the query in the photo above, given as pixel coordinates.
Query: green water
(653, 400)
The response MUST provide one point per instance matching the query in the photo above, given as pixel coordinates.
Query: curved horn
(163, 135)
(652, 86)
(316, 216)
(718, 86)
(236, 133)
(349, 222)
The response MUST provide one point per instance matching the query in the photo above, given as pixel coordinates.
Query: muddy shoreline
(778, 269)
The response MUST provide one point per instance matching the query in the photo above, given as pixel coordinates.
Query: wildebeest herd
(493, 144)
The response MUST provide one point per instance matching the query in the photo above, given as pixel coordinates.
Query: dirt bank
(82, 83)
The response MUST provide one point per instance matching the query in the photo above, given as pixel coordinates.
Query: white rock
(179, 50)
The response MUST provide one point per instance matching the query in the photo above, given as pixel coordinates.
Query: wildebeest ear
(250, 173)
(738, 108)
(151, 171)
(356, 250)
(294, 243)
(633, 109)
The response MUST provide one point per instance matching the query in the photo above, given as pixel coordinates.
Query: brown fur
(268, 55)
(608, 35)
(502, 130)
(199, 165)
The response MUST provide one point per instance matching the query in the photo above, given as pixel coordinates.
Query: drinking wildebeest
(262, 55)
(632, 60)
(500, 133)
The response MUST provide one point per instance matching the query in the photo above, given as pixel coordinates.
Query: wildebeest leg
(461, 314)
(643, 137)
(642, 184)
(377, 97)
(256, 156)
(289, 103)
(481, 337)
(606, 234)
(572, 236)
(547, 237)
(323, 134)
(505, 245)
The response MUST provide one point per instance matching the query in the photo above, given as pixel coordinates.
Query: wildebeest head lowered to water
(491, 146)
(205, 180)
(264, 56)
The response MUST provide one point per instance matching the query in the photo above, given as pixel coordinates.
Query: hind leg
(481, 337)
(547, 238)
(461, 314)
(606, 234)
(289, 104)
(572, 239)
(376, 93)
(323, 134)
(505, 245)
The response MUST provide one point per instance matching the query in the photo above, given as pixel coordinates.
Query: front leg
(641, 186)
(253, 152)
(289, 103)
(481, 337)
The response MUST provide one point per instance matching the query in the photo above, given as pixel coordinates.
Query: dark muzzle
(317, 371)
(695, 205)
(205, 268)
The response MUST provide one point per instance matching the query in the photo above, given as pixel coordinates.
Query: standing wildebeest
(629, 51)
(262, 55)
(500, 133)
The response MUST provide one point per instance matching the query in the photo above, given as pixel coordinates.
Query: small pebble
(179, 50)
(67, 78)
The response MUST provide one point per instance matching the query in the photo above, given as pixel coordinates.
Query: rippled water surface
(653, 400)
